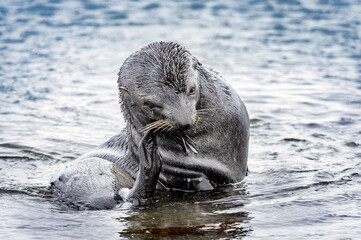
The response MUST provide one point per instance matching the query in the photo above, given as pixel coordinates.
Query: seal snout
(183, 120)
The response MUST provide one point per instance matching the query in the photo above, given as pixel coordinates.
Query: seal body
(200, 126)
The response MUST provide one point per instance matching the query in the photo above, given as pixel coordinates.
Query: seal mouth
(175, 132)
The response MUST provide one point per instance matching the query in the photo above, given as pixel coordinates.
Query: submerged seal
(186, 129)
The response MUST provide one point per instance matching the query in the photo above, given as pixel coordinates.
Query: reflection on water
(295, 64)
(209, 215)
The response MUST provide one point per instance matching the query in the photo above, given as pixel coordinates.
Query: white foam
(124, 193)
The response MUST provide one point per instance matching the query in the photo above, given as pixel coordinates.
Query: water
(296, 65)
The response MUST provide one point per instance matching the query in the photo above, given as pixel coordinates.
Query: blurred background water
(295, 63)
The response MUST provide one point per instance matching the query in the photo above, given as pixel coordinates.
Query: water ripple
(294, 63)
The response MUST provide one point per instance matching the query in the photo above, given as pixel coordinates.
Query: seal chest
(186, 128)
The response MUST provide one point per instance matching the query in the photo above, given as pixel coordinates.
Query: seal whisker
(151, 125)
(206, 111)
(161, 126)
(170, 127)
(203, 113)
(159, 123)
(165, 126)
(147, 127)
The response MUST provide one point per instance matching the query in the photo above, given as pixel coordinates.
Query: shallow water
(296, 65)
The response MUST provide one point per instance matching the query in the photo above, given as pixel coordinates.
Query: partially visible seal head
(159, 84)
(187, 129)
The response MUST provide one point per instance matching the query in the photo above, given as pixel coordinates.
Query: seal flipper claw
(184, 146)
(150, 163)
(192, 148)
(179, 139)
(191, 144)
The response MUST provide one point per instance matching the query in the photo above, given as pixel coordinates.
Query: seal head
(159, 82)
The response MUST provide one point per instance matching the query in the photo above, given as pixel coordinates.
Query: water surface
(296, 65)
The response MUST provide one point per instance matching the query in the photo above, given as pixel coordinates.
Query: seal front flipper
(150, 163)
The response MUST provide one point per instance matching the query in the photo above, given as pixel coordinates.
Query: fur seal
(186, 130)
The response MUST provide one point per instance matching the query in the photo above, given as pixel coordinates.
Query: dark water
(296, 64)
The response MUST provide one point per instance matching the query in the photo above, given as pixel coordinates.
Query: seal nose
(185, 127)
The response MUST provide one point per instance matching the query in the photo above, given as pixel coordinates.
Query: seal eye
(192, 91)
(151, 105)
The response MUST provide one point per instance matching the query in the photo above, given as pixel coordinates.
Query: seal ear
(121, 95)
(124, 89)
